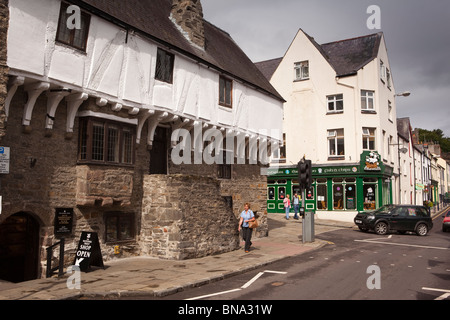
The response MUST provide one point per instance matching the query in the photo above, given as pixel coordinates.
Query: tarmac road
(352, 266)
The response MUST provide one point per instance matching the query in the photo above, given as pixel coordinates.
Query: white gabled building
(340, 112)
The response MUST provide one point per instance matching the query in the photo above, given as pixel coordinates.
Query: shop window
(338, 196)
(310, 194)
(350, 196)
(296, 190)
(321, 190)
(107, 142)
(370, 194)
(119, 227)
(74, 37)
(271, 193)
(281, 193)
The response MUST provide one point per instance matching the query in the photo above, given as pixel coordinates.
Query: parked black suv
(400, 218)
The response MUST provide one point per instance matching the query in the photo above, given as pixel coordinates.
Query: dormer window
(68, 32)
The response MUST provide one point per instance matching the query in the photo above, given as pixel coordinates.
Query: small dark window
(74, 37)
(224, 169)
(119, 226)
(164, 66)
(104, 141)
(225, 92)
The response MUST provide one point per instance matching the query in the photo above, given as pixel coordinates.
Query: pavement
(147, 276)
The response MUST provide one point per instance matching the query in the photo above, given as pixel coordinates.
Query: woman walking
(287, 206)
(246, 216)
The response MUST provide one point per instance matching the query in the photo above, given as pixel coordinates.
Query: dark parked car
(400, 218)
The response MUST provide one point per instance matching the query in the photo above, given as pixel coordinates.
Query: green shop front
(356, 187)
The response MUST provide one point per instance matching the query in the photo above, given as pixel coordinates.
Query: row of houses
(340, 112)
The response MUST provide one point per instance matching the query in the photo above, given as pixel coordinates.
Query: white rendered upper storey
(132, 55)
(340, 99)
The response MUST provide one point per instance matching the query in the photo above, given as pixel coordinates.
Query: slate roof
(151, 18)
(403, 128)
(346, 57)
(268, 67)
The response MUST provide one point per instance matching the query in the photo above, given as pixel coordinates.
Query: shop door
(19, 248)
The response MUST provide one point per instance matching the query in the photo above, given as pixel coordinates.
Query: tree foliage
(435, 136)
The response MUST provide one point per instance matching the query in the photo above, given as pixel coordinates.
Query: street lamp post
(402, 150)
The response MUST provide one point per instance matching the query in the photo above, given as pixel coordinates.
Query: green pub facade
(366, 185)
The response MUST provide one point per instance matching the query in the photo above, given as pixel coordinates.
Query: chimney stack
(188, 14)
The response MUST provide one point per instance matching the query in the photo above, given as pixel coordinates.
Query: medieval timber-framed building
(95, 91)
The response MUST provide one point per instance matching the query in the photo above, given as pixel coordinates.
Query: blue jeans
(287, 209)
(296, 208)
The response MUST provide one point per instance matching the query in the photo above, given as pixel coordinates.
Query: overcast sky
(417, 35)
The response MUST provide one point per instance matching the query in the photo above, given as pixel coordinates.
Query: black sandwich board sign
(88, 252)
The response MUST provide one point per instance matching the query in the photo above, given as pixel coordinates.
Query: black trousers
(247, 236)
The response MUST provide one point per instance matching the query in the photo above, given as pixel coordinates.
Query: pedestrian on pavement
(246, 216)
(287, 206)
(296, 205)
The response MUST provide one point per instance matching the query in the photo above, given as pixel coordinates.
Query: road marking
(249, 283)
(441, 297)
(402, 244)
(252, 280)
(214, 294)
(245, 286)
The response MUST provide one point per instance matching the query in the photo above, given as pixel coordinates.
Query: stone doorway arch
(19, 248)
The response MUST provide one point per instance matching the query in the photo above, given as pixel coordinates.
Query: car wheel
(422, 230)
(381, 228)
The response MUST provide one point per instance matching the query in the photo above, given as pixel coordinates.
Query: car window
(402, 212)
(422, 212)
(412, 212)
(383, 210)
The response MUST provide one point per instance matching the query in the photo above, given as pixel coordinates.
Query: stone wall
(44, 175)
(246, 185)
(185, 217)
(4, 22)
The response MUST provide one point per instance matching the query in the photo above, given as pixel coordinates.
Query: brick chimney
(188, 14)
